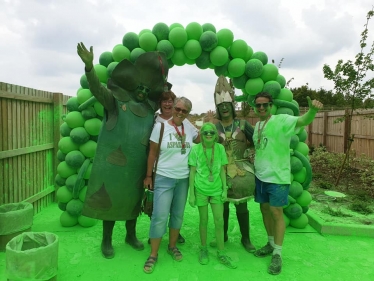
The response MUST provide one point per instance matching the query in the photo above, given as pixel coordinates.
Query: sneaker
(275, 266)
(203, 256)
(264, 251)
(226, 260)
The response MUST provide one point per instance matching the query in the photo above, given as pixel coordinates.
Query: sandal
(175, 253)
(150, 264)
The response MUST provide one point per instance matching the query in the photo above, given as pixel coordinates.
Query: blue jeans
(274, 194)
(170, 196)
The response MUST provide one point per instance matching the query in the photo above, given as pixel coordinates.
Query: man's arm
(307, 118)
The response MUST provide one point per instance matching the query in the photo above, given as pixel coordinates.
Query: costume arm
(248, 131)
(307, 118)
(224, 184)
(153, 149)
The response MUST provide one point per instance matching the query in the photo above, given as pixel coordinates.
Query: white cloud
(39, 38)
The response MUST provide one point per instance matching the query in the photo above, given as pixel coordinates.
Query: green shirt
(272, 160)
(198, 159)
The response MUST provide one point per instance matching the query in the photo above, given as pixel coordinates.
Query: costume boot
(131, 236)
(106, 244)
(243, 220)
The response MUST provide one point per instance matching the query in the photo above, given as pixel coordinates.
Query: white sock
(277, 250)
(271, 240)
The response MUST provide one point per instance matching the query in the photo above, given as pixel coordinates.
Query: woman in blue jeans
(171, 181)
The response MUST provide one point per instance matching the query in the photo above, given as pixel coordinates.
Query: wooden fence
(30, 130)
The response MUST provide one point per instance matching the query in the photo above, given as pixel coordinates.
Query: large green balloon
(219, 56)
(174, 25)
(135, 54)
(178, 37)
(179, 58)
(203, 62)
(239, 49)
(166, 47)
(285, 94)
(101, 73)
(222, 70)
(254, 68)
(192, 49)
(254, 86)
(273, 88)
(105, 58)
(161, 31)
(236, 67)
(208, 27)
(148, 42)
(249, 54)
(83, 81)
(281, 80)
(208, 41)
(270, 72)
(146, 30)
(111, 67)
(239, 82)
(194, 31)
(120, 52)
(225, 37)
(130, 40)
(260, 56)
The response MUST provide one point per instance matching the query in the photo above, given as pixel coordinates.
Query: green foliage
(335, 212)
(361, 207)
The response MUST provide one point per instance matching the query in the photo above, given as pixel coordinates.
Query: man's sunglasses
(264, 105)
(178, 109)
(205, 133)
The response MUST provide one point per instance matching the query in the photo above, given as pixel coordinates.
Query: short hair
(264, 95)
(185, 101)
(166, 96)
(214, 128)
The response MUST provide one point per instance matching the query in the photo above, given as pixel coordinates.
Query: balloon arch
(195, 44)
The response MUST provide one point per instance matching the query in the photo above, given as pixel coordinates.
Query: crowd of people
(206, 167)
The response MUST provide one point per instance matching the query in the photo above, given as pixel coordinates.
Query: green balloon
(222, 70)
(170, 63)
(101, 73)
(208, 27)
(194, 31)
(130, 40)
(111, 67)
(303, 135)
(254, 68)
(273, 88)
(148, 42)
(208, 41)
(190, 61)
(161, 31)
(105, 58)
(219, 56)
(178, 37)
(239, 82)
(192, 49)
(285, 94)
(144, 31)
(225, 37)
(284, 110)
(270, 72)
(236, 67)
(273, 109)
(83, 81)
(135, 54)
(254, 86)
(179, 58)
(203, 62)
(174, 25)
(249, 54)
(281, 80)
(120, 52)
(166, 47)
(260, 56)
(239, 49)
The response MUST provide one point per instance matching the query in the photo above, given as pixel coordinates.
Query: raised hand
(85, 55)
(314, 104)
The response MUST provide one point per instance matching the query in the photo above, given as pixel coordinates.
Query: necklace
(228, 134)
(182, 137)
(261, 129)
(210, 165)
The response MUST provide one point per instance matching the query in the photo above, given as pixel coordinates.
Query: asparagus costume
(115, 188)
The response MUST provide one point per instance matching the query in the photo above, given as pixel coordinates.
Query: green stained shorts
(203, 200)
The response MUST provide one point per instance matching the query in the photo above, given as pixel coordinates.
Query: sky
(38, 39)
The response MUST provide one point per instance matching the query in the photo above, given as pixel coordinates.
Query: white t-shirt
(171, 162)
(186, 122)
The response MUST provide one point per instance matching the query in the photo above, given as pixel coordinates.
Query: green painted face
(262, 107)
(209, 135)
(225, 109)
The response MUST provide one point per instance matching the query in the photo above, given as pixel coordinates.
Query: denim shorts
(274, 194)
(203, 200)
(169, 198)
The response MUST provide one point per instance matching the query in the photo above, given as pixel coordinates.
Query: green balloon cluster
(196, 44)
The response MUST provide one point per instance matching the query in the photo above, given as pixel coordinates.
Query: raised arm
(307, 118)
(101, 93)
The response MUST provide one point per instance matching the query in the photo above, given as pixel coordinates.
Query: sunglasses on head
(178, 109)
(264, 105)
(205, 133)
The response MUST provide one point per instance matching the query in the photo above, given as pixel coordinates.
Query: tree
(350, 79)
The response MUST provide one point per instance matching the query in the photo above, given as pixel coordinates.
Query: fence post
(57, 121)
(324, 134)
(346, 129)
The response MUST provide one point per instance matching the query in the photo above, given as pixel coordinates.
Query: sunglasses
(264, 105)
(178, 109)
(205, 133)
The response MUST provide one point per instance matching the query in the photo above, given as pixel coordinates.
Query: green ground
(307, 255)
